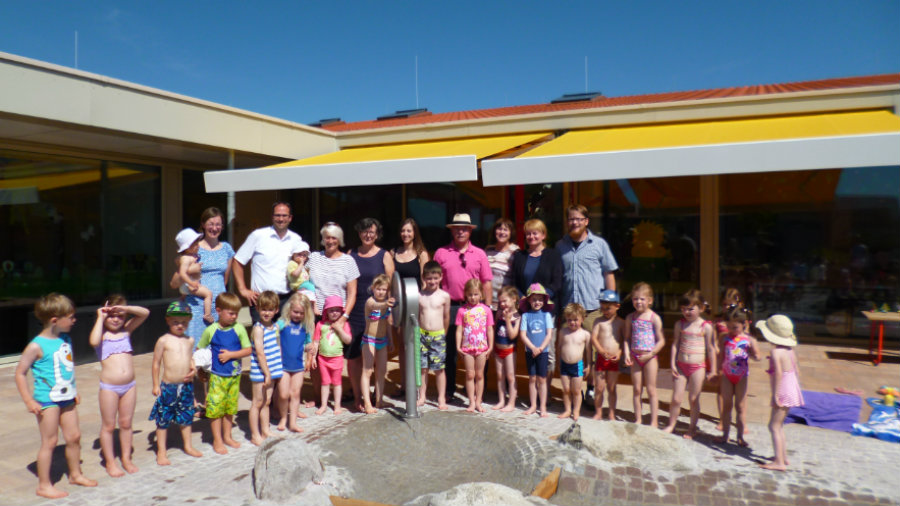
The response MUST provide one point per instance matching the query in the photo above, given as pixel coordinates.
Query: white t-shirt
(270, 255)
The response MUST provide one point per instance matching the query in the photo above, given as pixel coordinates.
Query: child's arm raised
(139, 316)
(512, 320)
(29, 356)
(96, 334)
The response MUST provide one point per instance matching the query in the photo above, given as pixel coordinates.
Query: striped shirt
(272, 351)
(331, 275)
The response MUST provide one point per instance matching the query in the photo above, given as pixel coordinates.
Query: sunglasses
(462, 260)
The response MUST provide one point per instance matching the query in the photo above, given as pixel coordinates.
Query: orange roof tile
(600, 102)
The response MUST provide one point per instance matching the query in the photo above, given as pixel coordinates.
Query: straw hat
(778, 329)
(461, 220)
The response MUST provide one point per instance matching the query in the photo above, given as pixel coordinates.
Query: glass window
(77, 226)
(819, 246)
(195, 200)
(348, 205)
(433, 206)
(653, 229)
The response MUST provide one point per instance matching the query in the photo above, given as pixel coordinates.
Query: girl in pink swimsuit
(644, 340)
(734, 356)
(785, 378)
(111, 337)
(731, 298)
(692, 346)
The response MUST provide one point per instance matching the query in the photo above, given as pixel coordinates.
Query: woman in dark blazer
(538, 263)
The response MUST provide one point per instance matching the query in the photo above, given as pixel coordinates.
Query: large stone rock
(623, 443)
(284, 468)
(478, 494)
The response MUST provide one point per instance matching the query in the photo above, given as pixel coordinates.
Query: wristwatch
(346, 316)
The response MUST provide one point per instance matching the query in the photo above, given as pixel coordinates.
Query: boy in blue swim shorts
(572, 342)
(175, 393)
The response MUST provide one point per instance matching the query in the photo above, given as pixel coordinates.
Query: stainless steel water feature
(406, 316)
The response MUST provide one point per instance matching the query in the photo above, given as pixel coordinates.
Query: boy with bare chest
(606, 337)
(434, 319)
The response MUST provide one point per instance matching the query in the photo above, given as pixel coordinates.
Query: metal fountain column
(406, 316)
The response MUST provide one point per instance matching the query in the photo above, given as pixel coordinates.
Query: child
(298, 272)
(377, 341)
(474, 339)
(296, 340)
(537, 332)
(265, 364)
(188, 267)
(49, 359)
(644, 340)
(692, 345)
(434, 319)
(328, 348)
(175, 394)
(731, 298)
(228, 344)
(785, 378)
(111, 337)
(507, 330)
(736, 350)
(606, 336)
(571, 343)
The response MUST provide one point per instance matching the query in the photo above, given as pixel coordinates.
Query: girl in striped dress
(265, 365)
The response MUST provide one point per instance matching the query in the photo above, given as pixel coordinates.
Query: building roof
(631, 100)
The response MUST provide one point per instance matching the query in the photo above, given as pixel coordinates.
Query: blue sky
(305, 60)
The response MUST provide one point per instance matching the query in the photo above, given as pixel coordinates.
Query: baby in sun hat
(785, 377)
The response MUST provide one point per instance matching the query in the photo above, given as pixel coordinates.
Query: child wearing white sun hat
(785, 377)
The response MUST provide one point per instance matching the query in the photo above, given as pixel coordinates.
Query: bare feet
(721, 440)
(265, 434)
(575, 416)
(719, 426)
(479, 408)
(309, 404)
(301, 414)
(282, 426)
(370, 410)
(597, 416)
(232, 443)
(162, 459)
(471, 408)
(83, 481)
(689, 435)
(443, 406)
(772, 466)
(339, 410)
(295, 428)
(257, 440)
(130, 467)
(565, 414)
(420, 402)
(509, 407)
(530, 411)
(51, 492)
(498, 407)
(544, 414)
(321, 410)
(742, 443)
(193, 452)
(220, 449)
(669, 429)
(114, 470)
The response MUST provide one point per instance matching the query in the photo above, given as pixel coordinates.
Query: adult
(588, 266)
(269, 249)
(332, 271)
(411, 256)
(461, 261)
(538, 263)
(215, 267)
(409, 261)
(371, 260)
(500, 255)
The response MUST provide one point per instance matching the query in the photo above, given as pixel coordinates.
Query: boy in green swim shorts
(228, 344)
(434, 318)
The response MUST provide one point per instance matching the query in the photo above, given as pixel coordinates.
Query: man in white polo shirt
(270, 249)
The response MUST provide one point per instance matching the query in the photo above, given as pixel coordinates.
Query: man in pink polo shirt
(461, 261)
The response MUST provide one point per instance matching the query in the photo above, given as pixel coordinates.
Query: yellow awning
(797, 142)
(418, 162)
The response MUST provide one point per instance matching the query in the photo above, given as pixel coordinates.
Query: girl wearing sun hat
(785, 377)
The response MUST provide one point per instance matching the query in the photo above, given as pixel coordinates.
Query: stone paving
(827, 467)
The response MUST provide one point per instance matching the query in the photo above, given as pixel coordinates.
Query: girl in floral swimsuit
(644, 340)
(692, 345)
(734, 356)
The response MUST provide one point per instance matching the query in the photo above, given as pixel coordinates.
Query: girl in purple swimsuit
(111, 337)
(644, 340)
(737, 349)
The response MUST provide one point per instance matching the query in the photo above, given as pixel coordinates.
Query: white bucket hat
(778, 329)
(303, 247)
(186, 237)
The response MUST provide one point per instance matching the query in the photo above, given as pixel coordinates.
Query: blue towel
(826, 410)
